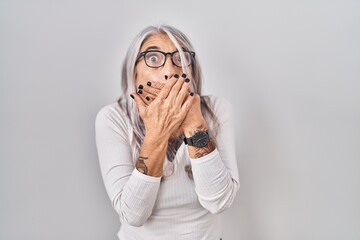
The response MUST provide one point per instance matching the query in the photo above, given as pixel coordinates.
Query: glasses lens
(187, 59)
(154, 59)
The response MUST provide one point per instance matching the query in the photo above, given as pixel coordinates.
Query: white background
(290, 68)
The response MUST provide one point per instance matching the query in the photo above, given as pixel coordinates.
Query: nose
(169, 69)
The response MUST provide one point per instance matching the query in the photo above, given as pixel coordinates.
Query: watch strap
(190, 140)
(187, 140)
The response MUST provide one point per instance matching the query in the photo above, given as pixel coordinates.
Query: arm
(151, 151)
(215, 169)
(132, 193)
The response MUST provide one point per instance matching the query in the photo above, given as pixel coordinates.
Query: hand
(149, 92)
(194, 118)
(166, 109)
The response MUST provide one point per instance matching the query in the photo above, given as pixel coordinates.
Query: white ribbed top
(173, 207)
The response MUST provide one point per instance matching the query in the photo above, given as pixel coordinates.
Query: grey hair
(128, 86)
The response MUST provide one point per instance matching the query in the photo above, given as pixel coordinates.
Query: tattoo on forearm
(141, 166)
(200, 152)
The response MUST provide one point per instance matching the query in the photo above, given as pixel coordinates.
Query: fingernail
(191, 94)
(187, 80)
(140, 91)
(176, 76)
(131, 96)
(147, 98)
(148, 83)
(141, 86)
(183, 75)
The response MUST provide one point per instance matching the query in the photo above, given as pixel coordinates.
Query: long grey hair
(128, 105)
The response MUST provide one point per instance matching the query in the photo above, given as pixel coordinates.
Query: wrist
(156, 139)
(198, 126)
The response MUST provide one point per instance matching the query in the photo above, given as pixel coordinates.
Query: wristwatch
(199, 139)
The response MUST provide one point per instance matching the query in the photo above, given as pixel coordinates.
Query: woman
(166, 153)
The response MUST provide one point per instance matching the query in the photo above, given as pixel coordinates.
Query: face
(144, 74)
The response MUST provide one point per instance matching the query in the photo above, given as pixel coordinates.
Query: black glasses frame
(142, 54)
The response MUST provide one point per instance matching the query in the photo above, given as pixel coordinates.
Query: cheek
(145, 75)
(140, 76)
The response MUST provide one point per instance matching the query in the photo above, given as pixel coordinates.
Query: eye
(177, 59)
(153, 57)
(187, 59)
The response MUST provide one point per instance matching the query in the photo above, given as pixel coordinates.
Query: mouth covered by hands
(170, 98)
(151, 90)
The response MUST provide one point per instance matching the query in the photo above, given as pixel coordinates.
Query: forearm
(138, 198)
(132, 193)
(139, 194)
(214, 185)
(152, 155)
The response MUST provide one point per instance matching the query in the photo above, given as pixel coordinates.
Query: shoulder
(111, 116)
(109, 111)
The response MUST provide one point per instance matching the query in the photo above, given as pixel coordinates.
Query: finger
(187, 95)
(164, 92)
(188, 102)
(183, 93)
(145, 97)
(178, 86)
(149, 91)
(139, 102)
(157, 85)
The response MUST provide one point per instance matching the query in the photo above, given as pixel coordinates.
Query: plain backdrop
(291, 69)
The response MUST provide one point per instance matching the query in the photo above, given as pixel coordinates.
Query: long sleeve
(132, 194)
(216, 174)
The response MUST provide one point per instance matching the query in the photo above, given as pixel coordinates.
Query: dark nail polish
(183, 75)
(147, 98)
(141, 86)
(140, 91)
(131, 96)
(148, 83)
(187, 80)
(191, 94)
(176, 76)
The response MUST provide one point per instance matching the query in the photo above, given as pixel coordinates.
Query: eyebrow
(157, 48)
(152, 47)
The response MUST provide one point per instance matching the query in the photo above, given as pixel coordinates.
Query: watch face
(200, 139)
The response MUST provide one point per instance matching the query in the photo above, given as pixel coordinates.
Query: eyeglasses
(156, 59)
